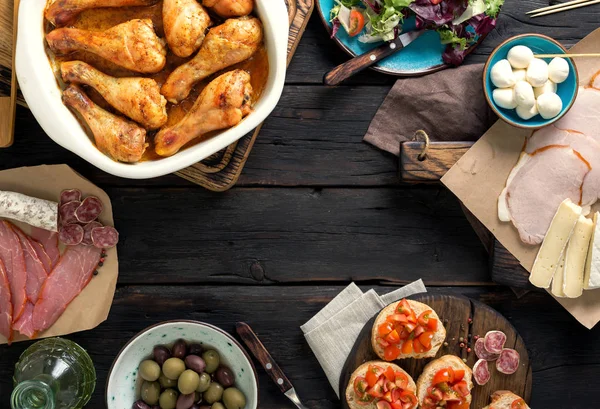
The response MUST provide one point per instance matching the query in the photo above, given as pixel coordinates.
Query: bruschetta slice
(445, 382)
(506, 400)
(407, 329)
(381, 385)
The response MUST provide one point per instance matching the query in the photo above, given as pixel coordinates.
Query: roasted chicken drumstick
(117, 137)
(222, 104)
(60, 12)
(230, 8)
(231, 42)
(185, 23)
(133, 45)
(138, 98)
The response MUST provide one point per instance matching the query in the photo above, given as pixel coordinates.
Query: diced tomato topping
(404, 307)
(425, 339)
(377, 390)
(458, 405)
(459, 374)
(385, 328)
(373, 373)
(418, 331)
(417, 346)
(401, 380)
(424, 318)
(445, 375)
(382, 404)
(396, 405)
(408, 397)
(360, 385)
(366, 399)
(405, 333)
(391, 352)
(436, 394)
(390, 374)
(388, 396)
(393, 337)
(407, 347)
(518, 404)
(462, 388)
(432, 324)
(410, 327)
(401, 318)
(382, 342)
(428, 403)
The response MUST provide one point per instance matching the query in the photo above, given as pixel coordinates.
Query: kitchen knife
(360, 62)
(260, 352)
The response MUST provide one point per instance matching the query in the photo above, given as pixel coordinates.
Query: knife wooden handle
(344, 71)
(260, 352)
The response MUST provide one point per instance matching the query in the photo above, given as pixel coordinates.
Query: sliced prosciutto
(36, 273)
(548, 177)
(25, 324)
(584, 115)
(68, 278)
(41, 253)
(5, 305)
(11, 253)
(49, 240)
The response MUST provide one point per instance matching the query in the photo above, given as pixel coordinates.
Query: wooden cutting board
(455, 313)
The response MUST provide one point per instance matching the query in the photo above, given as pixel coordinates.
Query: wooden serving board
(455, 313)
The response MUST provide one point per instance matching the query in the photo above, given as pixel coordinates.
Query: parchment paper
(91, 306)
(479, 176)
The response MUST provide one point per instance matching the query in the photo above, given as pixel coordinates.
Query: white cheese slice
(554, 244)
(344, 17)
(503, 213)
(475, 8)
(577, 250)
(591, 278)
(558, 280)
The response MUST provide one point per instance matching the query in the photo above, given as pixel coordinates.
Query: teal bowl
(540, 44)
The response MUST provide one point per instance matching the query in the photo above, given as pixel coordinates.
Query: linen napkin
(331, 333)
(449, 105)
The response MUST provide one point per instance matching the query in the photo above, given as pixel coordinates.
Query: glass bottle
(54, 373)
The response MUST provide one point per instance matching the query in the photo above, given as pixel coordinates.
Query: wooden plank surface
(428, 162)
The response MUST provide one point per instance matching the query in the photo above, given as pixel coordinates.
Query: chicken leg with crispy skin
(222, 104)
(230, 8)
(133, 45)
(185, 23)
(231, 42)
(117, 137)
(60, 12)
(138, 98)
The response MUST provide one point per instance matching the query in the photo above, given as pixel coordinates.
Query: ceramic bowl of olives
(182, 365)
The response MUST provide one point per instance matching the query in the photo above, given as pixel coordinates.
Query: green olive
(213, 393)
(212, 360)
(233, 398)
(188, 382)
(204, 382)
(217, 405)
(168, 399)
(150, 392)
(173, 367)
(166, 382)
(149, 370)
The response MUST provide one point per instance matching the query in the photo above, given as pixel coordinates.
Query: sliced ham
(36, 273)
(5, 305)
(11, 253)
(549, 176)
(587, 146)
(68, 278)
(41, 253)
(49, 240)
(584, 115)
(25, 324)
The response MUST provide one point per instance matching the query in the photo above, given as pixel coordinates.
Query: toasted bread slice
(362, 371)
(418, 308)
(433, 367)
(504, 400)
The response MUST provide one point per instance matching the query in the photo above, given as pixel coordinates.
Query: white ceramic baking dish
(43, 96)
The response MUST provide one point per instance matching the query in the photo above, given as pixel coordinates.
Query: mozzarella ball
(549, 105)
(502, 74)
(520, 75)
(520, 56)
(505, 98)
(549, 86)
(527, 113)
(537, 72)
(524, 94)
(558, 70)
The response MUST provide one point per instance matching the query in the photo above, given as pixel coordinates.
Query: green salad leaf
(335, 10)
(448, 36)
(391, 14)
(493, 7)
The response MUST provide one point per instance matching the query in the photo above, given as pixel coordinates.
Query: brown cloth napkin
(449, 105)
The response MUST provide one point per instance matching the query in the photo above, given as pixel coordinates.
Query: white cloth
(331, 333)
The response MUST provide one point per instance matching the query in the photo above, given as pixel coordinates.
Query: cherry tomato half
(357, 22)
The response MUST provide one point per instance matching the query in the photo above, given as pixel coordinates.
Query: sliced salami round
(70, 195)
(482, 353)
(87, 232)
(66, 213)
(89, 210)
(70, 234)
(508, 361)
(105, 237)
(494, 341)
(481, 372)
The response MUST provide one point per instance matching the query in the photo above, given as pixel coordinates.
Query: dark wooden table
(314, 209)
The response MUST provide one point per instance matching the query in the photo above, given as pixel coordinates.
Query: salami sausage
(87, 233)
(508, 362)
(482, 353)
(66, 213)
(105, 237)
(494, 341)
(31, 210)
(70, 234)
(89, 210)
(481, 372)
(70, 195)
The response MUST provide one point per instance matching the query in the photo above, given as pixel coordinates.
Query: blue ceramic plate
(422, 56)
(540, 44)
